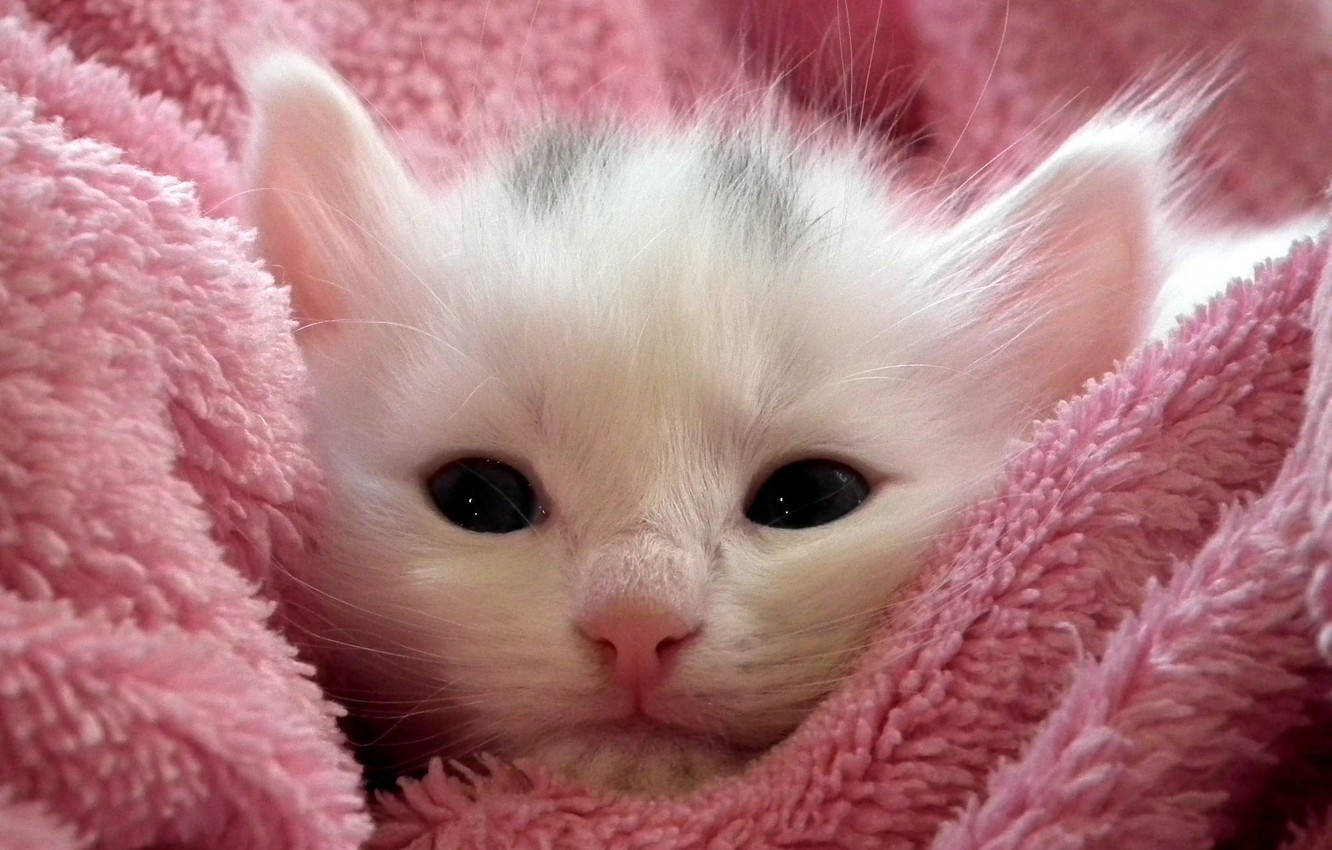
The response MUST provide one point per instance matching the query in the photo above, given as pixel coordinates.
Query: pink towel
(1130, 646)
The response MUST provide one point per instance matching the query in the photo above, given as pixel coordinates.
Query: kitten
(632, 436)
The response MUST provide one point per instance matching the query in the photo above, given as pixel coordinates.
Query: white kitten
(632, 437)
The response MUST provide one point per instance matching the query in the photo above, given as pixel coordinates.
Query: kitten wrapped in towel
(633, 436)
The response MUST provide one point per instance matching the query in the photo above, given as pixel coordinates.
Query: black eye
(484, 495)
(808, 493)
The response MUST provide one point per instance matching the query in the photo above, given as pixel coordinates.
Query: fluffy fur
(646, 323)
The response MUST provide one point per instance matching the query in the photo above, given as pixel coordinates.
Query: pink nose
(639, 646)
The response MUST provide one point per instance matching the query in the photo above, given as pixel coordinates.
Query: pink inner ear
(325, 186)
(1082, 232)
(311, 216)
(1093, 308)
(292, 258)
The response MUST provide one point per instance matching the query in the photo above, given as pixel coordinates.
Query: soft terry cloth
(150, 461)
(1129, 646)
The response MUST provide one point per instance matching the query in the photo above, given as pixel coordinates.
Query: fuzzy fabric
(1131, 645)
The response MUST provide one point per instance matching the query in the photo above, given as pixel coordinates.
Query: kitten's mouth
(640, 725)
(639, 754)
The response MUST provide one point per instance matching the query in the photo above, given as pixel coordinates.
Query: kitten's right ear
(326, 189)
(1066, 264)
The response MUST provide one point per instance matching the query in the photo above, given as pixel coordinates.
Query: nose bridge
(645, 569)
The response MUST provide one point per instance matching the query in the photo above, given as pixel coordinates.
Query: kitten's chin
(638, 758)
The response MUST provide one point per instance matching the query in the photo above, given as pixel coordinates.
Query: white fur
(1205, 263)
(647, 364)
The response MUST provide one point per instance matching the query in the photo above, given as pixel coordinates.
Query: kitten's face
(645, 372)
(641, 331)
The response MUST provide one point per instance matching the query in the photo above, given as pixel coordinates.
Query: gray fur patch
(764, 195)
(548, 171)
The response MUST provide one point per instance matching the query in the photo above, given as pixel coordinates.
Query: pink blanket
(1130, 646)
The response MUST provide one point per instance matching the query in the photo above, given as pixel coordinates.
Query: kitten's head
(632, 436)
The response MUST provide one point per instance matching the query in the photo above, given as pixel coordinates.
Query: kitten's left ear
(1067, 262)
(328, 192)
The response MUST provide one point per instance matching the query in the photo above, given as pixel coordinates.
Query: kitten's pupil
(808, 493)
(484, 495)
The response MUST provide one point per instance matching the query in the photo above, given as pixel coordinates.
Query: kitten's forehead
(749, 183)
(697, 237)
(667, 266)
(657, 378)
